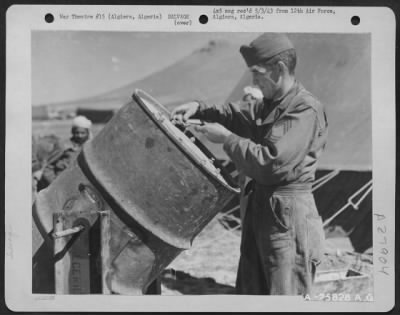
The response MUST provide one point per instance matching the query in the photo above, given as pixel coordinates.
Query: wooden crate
(82, 258)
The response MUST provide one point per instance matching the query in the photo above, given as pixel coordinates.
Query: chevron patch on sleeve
(279, 129)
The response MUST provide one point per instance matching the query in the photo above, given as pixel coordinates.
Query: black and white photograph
(217, 163)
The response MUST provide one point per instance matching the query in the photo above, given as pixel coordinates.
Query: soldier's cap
(265, 47)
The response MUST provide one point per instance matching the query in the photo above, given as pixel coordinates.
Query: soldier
(80, 133)
(276, 142)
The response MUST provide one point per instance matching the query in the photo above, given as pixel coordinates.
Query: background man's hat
(81, 122)
(265, 47)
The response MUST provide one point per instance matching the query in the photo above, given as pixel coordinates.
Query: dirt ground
(209, 267)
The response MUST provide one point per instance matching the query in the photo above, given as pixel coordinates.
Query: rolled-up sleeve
(284, 147)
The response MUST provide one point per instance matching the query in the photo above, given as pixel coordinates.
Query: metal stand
(81, 251)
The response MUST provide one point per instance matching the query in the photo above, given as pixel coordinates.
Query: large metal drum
(159, 187)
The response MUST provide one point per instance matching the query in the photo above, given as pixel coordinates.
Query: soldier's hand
(183, 112)
(214, 132)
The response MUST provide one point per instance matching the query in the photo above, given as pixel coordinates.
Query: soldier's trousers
(282, 243)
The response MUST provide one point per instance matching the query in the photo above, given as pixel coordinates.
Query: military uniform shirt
(274, 143)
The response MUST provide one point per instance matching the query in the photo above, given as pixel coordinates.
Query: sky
(69, 65)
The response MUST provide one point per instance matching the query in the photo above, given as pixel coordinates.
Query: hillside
(209, 73)
(335, 68)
